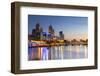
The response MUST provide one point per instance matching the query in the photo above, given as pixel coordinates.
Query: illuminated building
(51, 30)
(36, 33)
(44, 35)
(61, 35)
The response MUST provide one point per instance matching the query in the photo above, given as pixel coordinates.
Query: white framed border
(25, 64)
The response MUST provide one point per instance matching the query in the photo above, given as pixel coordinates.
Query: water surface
(58, 52)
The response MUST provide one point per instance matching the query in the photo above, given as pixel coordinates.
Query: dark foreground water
(58, 52)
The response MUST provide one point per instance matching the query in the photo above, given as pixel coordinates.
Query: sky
(73, 27)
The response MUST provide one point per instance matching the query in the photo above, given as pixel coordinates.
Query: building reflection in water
(58, 52)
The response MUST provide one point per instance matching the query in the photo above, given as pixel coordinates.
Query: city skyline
(72, 27)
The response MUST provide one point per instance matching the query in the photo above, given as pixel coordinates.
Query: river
(58, 52)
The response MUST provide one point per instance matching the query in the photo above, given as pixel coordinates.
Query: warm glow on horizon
(76, 36)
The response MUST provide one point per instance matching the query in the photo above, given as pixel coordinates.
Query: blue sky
(72, 27)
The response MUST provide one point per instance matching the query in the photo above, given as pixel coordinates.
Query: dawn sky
(72, 27)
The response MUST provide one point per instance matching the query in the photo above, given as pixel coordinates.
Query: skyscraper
(37, 27)
(61, 35)
(51, 30)
(38, 31)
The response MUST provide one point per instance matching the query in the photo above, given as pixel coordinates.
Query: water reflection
(58, 52)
